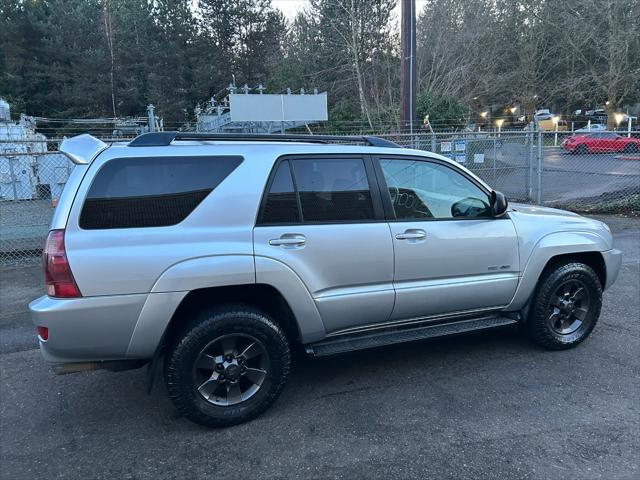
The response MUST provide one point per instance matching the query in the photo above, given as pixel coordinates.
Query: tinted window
(421, 189)
(151, 192)
(281, 205)
(333, 189)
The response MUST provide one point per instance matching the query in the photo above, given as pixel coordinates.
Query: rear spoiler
(82, 149)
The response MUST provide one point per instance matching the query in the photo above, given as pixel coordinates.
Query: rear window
(151, 191)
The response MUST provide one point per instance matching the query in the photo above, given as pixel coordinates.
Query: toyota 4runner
(214, 255)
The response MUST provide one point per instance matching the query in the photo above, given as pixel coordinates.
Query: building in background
(27, 169)
(261, 112)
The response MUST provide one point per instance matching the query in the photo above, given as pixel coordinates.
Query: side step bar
(390, 337)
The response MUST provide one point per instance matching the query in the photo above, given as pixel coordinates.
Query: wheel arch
(585, 247)
(592, 259)
(261, 296)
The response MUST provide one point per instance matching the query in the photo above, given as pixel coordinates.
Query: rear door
(322, 217)
(451, 255)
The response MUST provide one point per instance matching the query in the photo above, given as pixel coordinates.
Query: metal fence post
(528, 175)
(433, 142)
(14, 180)
(539, 179)
(495, 155)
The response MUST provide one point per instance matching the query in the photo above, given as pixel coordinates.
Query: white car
(596, 127)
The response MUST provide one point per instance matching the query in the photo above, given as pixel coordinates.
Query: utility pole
(408, 82)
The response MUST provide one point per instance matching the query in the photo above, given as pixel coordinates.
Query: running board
(363, 341)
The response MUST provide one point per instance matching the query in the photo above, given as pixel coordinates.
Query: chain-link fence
(592, 172)
(585, 172)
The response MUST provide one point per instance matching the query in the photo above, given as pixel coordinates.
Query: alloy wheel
(568, 307)
(231, 369)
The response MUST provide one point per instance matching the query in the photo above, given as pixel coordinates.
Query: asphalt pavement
(487, 405)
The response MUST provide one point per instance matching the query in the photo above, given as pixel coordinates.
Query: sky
(291, 7)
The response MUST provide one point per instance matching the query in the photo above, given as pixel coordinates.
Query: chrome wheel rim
(231, 369)
(569, 307)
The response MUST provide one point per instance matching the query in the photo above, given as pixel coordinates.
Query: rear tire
(566, 306)
(228, 366)
(630, 148)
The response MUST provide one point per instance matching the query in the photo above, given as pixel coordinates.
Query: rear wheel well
(592, 259)
(261, 296)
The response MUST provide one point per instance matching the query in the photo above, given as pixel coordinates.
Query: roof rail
(162, 139)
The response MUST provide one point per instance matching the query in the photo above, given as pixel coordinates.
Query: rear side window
(326, 189)
(281, 205)
(151, 191)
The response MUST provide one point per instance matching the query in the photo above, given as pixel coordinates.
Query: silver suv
(215, 255)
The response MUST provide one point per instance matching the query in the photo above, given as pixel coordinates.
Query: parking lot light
(555, 119)
(499, 123)
(618, 117)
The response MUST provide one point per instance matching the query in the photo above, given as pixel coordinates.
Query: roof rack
(162, 139)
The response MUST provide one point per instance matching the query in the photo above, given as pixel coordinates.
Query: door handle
(288, 240)
(412, 234)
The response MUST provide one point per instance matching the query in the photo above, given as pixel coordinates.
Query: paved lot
(481, 406)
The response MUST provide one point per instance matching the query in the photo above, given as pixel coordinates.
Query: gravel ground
(481, 406)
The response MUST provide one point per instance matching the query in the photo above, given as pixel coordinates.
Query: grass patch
(607, 203)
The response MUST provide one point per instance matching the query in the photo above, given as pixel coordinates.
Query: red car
(601, 142)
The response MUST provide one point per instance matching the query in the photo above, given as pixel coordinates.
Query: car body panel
(273, 272)
(460, 265)
(335, 257)
(156, 313)
(544, 233)
(87, 328)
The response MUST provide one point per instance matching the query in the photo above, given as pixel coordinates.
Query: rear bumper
(87, 329)
(612, 261)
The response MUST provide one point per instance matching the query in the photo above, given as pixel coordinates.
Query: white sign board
(278, 108)
(461, 146)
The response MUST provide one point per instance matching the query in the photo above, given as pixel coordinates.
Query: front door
(322, 219)
(451, 255)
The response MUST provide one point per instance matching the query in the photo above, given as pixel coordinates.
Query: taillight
(43, 333)
(57, 273)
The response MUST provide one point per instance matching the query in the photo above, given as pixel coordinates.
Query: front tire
(566, 306)
(228, 366)
(581, 149)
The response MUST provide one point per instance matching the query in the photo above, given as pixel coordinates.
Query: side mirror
(499, 204)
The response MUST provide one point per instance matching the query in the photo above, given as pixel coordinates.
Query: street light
(555, 119)
(499, 123)
(484, 114)
(619, 117)
(513, 110)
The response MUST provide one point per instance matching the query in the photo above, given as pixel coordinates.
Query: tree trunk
(356, 64)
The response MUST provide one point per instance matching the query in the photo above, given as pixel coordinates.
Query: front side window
(421, 190)
(151, 191)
